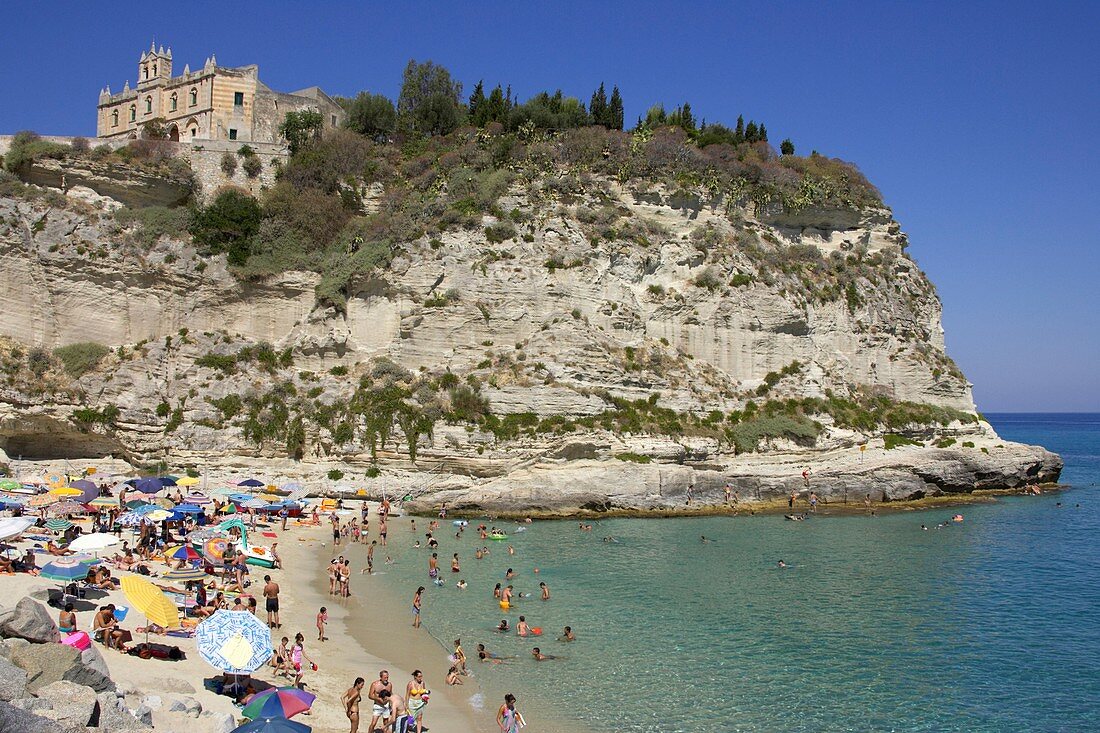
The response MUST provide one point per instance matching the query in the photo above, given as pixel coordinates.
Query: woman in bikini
(416, 698)
(416, 607)
(66, 620)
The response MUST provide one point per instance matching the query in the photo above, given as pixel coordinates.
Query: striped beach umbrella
(58, 525)
(278, 701)
(134, 519)
(198, 499)
(64, 569)
(214, 549)
(234, 641)
(184, 575)
(182, 552)
(151, 601)
(104, 502)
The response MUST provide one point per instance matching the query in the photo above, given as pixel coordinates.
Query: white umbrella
(14, 526)
(94, 542)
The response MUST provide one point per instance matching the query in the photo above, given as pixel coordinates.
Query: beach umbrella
(240, 498)
(158, 515)
(187, 509)
(182, 552)
(133, 519)
(9, 502)
(275, 702)
(58, 525)
(94, 542)
(66, 491)
(169, 480)
(88, 490)
(251, 483)
(164, 503)
(9, 484)
(104, 502)
(272, 725)
(187, 481)
(256, 503)
(64, 569)
(14, 526)
(224, 491)
(214, 549)
(148, 485)
(184, 575)
(67, 507)
(43, 500)
(234, 641)
(146, 509)
(198, 499)
(151, 601)
(228, 509)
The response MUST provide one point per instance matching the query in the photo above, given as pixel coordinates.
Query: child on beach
(322, 619)
(297, 654)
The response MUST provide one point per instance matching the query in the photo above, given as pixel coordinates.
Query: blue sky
(978, 121)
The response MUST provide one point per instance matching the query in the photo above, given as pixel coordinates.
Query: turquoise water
(986, 625)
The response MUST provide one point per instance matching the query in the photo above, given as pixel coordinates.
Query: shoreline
(767, 507)
(366, 634)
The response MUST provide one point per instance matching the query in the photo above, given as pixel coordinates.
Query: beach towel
(156, 651)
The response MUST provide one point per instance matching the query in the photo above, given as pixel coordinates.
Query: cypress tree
(750, 132)
(786, 147)
(686, 120)
(739, 131)
(598, 106)
(762, 133)
(615, 110)
(477, 101)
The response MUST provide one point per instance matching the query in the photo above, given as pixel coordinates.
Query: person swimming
(567, 634)
(503, 625)
(539, 656)
(782, 564)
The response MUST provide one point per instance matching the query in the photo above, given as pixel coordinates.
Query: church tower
(154, 65)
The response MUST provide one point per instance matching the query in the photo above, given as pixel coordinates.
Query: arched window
(148, 105)
(172, 102)
(114, 118)
(194, 97)
(145, 72)
(154, 69)
(133, 112)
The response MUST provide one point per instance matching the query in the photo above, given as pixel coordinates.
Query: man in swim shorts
(271, 596)
(381, 709)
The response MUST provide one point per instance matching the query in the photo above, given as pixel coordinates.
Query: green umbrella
(8, 484)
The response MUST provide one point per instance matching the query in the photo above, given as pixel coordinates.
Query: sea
(875, 624)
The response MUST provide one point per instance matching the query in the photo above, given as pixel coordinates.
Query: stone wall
(205, 158)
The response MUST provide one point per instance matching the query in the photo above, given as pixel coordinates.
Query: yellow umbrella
(158, 515)
(269, 497)
(66, 491)
(187, 481)
(151, 601)
(90, 471)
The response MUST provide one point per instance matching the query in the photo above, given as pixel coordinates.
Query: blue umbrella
(273, 725)
(238, 498)
(90, 490)
(251, 482)
(188, 509)
(167, 480)
(148, 485)
(146, 508)
(234, 641)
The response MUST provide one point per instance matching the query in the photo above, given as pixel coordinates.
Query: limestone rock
(8, 646)
(47, 663)
(13, 681)
(115, 716)
(16, 720)
(217, 722)
(72, 704)
(93, 659)
(187, 705)
(31, 621)
(153, 702)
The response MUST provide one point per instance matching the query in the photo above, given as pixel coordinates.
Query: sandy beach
(369, 619)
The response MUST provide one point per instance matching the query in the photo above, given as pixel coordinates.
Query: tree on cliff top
(372, 115)
(429, 100)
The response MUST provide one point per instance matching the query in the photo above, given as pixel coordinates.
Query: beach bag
(77, 640)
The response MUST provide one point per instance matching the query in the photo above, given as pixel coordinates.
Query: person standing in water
(416, 607)
(416, 698)
(545, 591)
(508, 718)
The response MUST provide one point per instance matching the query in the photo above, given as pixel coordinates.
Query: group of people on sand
(389, 711)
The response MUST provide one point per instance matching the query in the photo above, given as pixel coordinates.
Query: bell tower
(154, 65)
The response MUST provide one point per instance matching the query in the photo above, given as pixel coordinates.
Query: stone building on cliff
(212, 103)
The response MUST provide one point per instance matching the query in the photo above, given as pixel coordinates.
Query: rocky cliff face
(556, 315)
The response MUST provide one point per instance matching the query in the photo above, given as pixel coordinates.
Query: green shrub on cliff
(893, 440)
(153, 222)
(81, 358)
(228, 224)
(28, 146)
